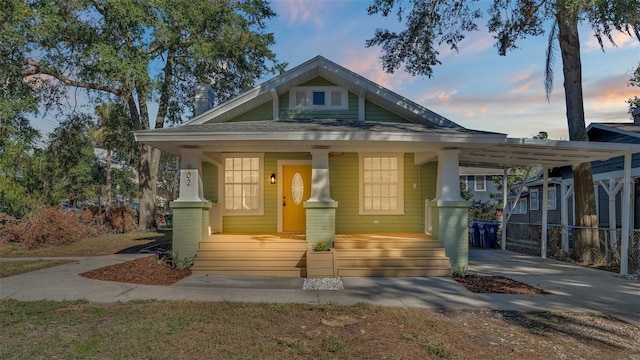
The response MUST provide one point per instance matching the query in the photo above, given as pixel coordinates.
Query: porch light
(272, 179)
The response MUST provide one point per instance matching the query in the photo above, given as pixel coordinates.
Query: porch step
(402, 271)
(261, 255)
(393, 256)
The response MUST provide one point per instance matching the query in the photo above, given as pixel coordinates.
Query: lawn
(96, 246)
(10, 268)
(198, 330)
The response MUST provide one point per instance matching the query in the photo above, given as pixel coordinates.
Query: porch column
(190, 209)
(320, 208)
(566, 191)
(545, 215)
(626, 216)
(450, 213)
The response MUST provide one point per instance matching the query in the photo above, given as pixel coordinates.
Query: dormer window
(318, 98)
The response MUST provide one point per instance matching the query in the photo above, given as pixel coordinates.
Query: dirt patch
(496, 285)
(145, 271)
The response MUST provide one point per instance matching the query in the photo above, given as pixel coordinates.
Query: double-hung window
(381, 184)
(480, 183)
(534, 199)
(243, 185)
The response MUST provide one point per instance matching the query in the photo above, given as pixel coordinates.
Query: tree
(434, 23)
(141, 52)
(70, 160)
(112, 132)
(634, 103)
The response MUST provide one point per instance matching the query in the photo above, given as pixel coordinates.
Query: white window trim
(475, 182)
(400, 162)
(552, 194)
(534, 199)
(223, 202)
(309, 90)
(522, 201)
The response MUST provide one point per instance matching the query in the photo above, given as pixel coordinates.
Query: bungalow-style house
(320, 155)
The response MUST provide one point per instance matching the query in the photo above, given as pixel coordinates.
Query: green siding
(350, 114)
(210, 182)
(269, 221)
(262, 112)
(373, 112)
(429, 177)
(344, 172)
(318, 81)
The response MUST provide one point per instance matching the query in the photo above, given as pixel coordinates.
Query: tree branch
(37, 68)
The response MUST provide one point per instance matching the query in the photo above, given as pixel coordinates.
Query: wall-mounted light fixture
(272, 179)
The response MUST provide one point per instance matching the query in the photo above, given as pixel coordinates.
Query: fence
(572, 242)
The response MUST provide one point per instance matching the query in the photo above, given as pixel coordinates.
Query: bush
(122, 220)
(48, 227)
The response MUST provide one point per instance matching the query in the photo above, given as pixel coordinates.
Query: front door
(296, 189)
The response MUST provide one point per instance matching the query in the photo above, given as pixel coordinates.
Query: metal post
(504, 208)
(545, 206)
(626, 213)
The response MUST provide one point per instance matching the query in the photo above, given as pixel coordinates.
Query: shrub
(122, 220)
(48, 227)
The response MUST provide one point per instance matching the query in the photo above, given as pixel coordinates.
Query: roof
(320, 66)
(467, 170)
(626, 128)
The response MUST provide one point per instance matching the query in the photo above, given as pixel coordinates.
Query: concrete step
(404, 243)
(248, 244)
(394, 271)
(242, 263)
(387, 261)
(251, 253)
(255, 271)
(424, 252)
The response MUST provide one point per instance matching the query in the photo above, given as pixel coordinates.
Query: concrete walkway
(572, 288)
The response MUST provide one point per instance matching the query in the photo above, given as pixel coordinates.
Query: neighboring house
(481, 183)
(607, 175)
(528, 208)
(320, 153)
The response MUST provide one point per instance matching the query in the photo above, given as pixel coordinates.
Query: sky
(474, 87)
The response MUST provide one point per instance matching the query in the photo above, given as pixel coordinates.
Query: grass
(154, 330)
(10, 268)
(201, 330)
(96, 246)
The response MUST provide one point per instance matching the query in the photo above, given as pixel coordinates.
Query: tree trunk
(586, 243)
(147, 176)
(107, 205)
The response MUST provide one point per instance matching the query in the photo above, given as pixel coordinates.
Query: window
(552, 203)
(318, 98)
(534, 199)
(243, 184)
(381, 184)
(480, 183)
(521, 206)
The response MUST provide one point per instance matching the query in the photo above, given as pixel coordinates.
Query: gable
(361, 98)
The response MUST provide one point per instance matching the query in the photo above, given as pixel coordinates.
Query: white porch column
(450, 213)
(320, 186)
(626, 216)
(190, 176)
(190, 209)
(448, 184)
(545, 215)
(320, 208)
(566, 191)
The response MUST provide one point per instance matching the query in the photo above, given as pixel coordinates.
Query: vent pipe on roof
(636, 115)
(203, 99)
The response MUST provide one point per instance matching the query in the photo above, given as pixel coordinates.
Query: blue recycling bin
(489, 232)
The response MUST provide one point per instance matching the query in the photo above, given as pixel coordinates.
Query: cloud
(303, 12)
(621, 39)
(526, 81)
(367, 64)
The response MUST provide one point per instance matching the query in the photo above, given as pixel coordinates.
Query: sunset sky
(476, 87)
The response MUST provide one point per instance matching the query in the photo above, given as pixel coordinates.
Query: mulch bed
(496, 285)
(145, 271)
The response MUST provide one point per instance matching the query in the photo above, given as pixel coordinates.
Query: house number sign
(297, 188)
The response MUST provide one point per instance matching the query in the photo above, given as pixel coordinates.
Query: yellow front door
(296, 190)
